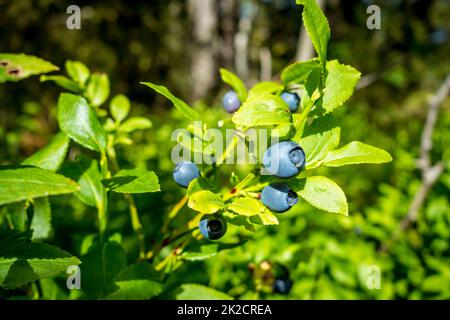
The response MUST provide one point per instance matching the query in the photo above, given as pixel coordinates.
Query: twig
(367, 80)
(430, 172)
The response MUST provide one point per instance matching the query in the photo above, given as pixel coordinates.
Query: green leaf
(266, 217)
(297, 72)
(14, 67)
(240, 221)
(63, 82)
(316, 24)
(235, 83)
(133, 181)
(198, 184)
(312, 91)
(191, 291)
(187, 111)
(246, 206)
(41, 221)
(135, 123)
(206, 201)
(97, 89)
(52, 155)
(355, 153)
(22, 183)
(321, 193)
(283, 131)
(319, 138)
(123, 140)
(120, 107)
(80, 122)
(263, 110)
(77, 71)
(340, 83)
(22, 261)
(91, 192)
(137, 282)
(204, 250)
(103, 262)
(86, 172)
(435, 283)
(265, 87)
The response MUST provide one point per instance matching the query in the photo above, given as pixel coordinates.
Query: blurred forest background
(182, 44)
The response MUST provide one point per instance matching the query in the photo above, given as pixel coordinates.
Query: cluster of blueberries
(283, 160)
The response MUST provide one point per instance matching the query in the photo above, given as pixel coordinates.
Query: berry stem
(229, 148)
(173, 213)
(239, 187)
(301, 121)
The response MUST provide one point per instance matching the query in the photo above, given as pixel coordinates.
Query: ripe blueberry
(284, 159)
(278, 197)
(212, 226)
(291, 99)
(185, 172)
(281, 285)
(231, 102)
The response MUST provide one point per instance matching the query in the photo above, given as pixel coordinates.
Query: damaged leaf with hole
(14, 67)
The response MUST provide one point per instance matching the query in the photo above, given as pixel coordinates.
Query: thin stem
(240, 186)
(136, 224)
(134, 215)
(172, 255)
(230, 147)
(224, 156)
(181, 233)
(301, 121)
(102, 207)
(173, 213)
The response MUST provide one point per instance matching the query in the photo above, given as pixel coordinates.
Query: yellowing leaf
(246, 206)
(206, 201)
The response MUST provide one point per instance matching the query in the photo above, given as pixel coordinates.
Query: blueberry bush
(248, 230)
(310, 140)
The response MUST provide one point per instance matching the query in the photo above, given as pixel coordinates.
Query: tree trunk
(228, 30)
(203, 15)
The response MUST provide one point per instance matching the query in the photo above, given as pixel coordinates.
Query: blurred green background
(182, 44)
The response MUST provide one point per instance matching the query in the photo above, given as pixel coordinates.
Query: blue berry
(278, 197)
(212, 226)
(281, 285)
(291, 99)
(231, 102)
(284, 159)
(185, 172)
